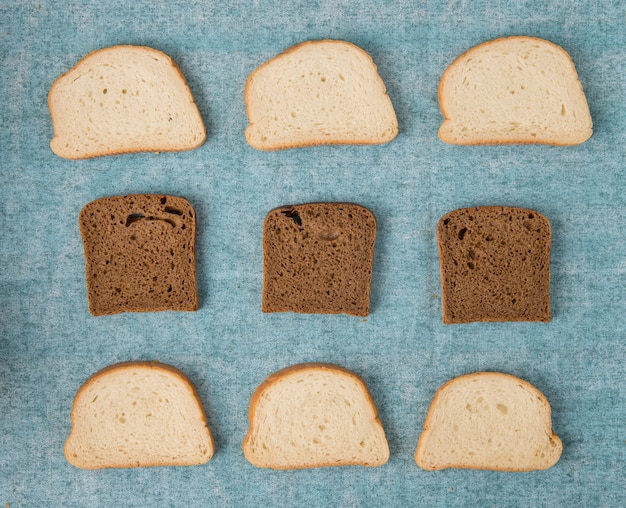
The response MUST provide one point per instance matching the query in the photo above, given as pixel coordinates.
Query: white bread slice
(123, 99)
(314, 415)
(318, 93)
(488, 420)
(513, 90)
(138, 414)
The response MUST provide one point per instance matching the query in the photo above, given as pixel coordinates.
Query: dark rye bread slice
(139, 254)
(495, 265)
(318, 259)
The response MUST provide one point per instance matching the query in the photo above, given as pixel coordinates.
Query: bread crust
(497, 141)
(303, 367)
(149, 365)
(319, 142)
(143, 148)
(466, 377)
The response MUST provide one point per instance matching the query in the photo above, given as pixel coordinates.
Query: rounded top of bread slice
(513, 90)
(488, 420)
(123, 99)
(138, 414)
(319, 92)
(314, 415)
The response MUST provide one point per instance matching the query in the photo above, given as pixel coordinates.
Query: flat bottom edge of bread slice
(93, 151)
(261, 142)
(451, 133)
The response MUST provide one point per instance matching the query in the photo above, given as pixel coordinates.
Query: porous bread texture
(318, 258)
(318, 93)
(495, 265)
(123, 99)
(314, 415)
(139, 254)
(138, 414)
(488, 420)
(513, 90)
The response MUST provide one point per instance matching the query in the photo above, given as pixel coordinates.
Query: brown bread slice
(495, 265)
(318, 259)
(139, 254)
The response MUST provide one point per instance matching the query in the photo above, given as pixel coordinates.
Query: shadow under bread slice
(318, 258)
(495, 265)
(139, 254)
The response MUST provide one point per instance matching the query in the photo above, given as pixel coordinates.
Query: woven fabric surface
(50, 344)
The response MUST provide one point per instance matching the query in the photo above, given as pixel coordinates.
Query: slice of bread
(495, 265)
(138, 414)
(123, 99)
(318, 93)
(513, 90)
(488, 420)
(318, 258)
(139, 254)
(314, 415)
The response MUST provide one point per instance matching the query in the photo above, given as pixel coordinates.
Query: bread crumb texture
(514, 90)
(139, 254)
(138, 414)
(318, 93)
(495, 265)
(123, 99)
(318, 258)
(488, 420)
(314, 415)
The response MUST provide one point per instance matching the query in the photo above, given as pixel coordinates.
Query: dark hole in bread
(293, 214)
(134, 217)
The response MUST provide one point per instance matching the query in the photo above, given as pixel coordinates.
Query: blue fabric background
(49, 343)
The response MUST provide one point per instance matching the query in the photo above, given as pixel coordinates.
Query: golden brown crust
(148, 365)
(465, 377)
(307, 144)
(281, 374)
(138, 149)
(495, 141)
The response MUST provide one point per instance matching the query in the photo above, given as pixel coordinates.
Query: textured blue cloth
(49, 343)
